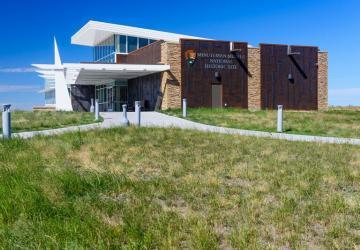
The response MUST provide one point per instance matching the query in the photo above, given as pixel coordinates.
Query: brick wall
(254, 79)
(171, 80)
(322, 81)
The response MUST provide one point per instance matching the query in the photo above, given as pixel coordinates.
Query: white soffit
(89, 74)
(95, 32)
(94, 73)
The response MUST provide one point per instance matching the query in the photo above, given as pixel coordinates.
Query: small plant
(78, 140)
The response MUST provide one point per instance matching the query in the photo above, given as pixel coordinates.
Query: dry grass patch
(42, 120)
(169, 189)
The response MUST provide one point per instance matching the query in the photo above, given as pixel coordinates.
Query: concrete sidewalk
(155, 119)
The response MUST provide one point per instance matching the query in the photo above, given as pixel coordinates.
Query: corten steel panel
(81, 97)
(198, 78)
(277, 89)
(145, 89)
(150, 54)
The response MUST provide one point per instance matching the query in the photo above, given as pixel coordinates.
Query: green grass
(334, 122)
(168, 189)
(42, 120)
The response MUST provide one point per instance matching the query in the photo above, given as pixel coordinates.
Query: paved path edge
(155, 119)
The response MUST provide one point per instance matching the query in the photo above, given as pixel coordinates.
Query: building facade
(160, 69)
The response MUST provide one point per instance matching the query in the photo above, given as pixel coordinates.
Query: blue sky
(27, 29)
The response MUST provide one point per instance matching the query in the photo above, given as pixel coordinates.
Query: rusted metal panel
(289, 79)
(145, 89)
(204, 63)
(150, 54)
(81, 96)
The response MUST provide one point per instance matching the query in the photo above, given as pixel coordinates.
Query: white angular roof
(97, 73)
(95, 32)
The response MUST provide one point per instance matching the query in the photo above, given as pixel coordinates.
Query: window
(143, 42)
(122, 44)
(105, 50)
(132, 43)
(50, 97)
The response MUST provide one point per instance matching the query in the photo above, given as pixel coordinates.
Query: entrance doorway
(216, 95)
(112, 96)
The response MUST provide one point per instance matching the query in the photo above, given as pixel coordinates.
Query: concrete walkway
(155, 119)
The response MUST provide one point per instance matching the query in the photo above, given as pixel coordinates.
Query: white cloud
(346, 96)
(8, 88)
(17, 70)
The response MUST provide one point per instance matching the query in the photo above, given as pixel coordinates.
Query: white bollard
(124, 119)
(184, 107)
(138, 113)
(92, 108)
(97, 110)
(280, 119)
(6, 121)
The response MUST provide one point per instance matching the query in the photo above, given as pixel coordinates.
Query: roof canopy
(94, 32)
(94, 74)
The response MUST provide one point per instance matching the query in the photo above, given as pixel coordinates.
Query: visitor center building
(161, 68)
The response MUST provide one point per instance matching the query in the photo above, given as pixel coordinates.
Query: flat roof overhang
(95, 74)
(95, 32)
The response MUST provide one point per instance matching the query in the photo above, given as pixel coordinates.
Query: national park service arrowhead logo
(190, 56)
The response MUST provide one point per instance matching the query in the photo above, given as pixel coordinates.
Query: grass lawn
(337, 122)
(41, 120)
(167, 188)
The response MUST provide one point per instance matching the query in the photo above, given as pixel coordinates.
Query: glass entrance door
(112, 96)
(110, 99)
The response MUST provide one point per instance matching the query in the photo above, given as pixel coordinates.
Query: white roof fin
(57, 59)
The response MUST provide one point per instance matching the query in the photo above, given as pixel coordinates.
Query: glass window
(143, 42)
(132, 43)
(151, 41)
(122, 41)
(50, 97)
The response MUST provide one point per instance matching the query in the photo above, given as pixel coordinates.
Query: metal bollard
(138, 113)
(6, 121)
(280, 119)
(92, 108)
(97, 110)
(184, 107)
(124, 119)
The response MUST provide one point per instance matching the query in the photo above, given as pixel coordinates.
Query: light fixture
(217, 76)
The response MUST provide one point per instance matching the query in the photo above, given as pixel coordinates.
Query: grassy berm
(170, 189)
(337, 121)
(41, 120)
